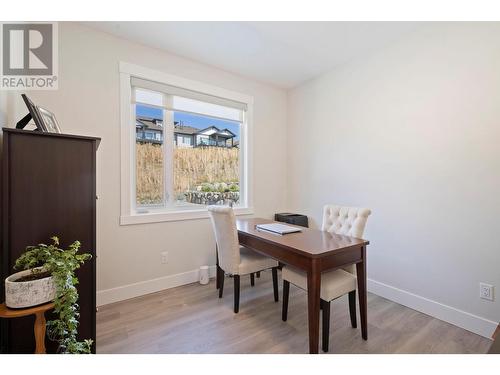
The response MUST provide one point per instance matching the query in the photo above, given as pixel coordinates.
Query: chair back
(350, 221)
(226, 236)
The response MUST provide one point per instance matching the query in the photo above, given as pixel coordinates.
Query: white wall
(412, 132)
(87, 102)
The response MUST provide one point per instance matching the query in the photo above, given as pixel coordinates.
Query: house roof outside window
(179, 128)
(212, 130)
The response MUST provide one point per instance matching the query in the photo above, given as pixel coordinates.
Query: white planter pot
(28, 293)
(204, 275)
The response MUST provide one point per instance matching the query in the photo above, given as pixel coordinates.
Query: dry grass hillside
(192, 166)
(149, 173)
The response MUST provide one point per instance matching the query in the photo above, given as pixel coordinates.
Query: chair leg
(236, 293)
(275, 284)
(258, 275)
(286, 292)
(252, 279)
(326, 325)
(352, 308)
(217, 277)
(221, 282)
(217, 268)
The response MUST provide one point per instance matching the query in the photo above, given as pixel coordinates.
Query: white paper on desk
(278, 228)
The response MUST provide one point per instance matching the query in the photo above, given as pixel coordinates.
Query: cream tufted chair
(348, 221)
(234, 259)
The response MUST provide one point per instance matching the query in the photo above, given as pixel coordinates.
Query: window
(185, 145)
(149, 157)
(184, 140)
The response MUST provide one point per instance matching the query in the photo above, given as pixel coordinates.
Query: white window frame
(129, 215)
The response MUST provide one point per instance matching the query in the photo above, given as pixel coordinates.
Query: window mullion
(168, 149)
(242, 160)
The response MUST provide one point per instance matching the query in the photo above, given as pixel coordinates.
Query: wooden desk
(313, 251)
(39, 327)
(495, 347)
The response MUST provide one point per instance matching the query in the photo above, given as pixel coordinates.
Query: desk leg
(361, 276)
(40, 333)
(313, 300)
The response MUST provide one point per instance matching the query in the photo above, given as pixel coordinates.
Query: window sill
(159, 217)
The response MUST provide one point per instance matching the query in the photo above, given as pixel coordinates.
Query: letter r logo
(27, 49)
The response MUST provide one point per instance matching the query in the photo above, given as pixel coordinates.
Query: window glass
(207, 171)
(189, 157)
(149, 156)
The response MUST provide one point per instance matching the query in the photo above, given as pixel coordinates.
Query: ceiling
(284, 54)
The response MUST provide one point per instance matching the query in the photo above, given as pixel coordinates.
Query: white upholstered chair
(348, 221)
(234, 259)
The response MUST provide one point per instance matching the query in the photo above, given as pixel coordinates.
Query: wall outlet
(486, 291)
(164, 257)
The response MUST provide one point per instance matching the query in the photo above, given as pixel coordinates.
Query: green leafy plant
(218, 187)
(207, 187)
(221, 187)
(61, 264)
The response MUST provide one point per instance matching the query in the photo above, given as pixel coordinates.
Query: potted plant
(49, 262)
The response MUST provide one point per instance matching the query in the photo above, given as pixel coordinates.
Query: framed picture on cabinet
(49, 120)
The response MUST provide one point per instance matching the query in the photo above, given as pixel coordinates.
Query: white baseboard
(462, 319)
(121, 293)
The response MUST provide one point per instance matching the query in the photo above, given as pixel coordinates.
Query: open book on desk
(277, 228)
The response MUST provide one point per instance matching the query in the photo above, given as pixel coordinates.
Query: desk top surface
(311, 242)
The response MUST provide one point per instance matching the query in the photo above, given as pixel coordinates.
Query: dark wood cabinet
(48, 188)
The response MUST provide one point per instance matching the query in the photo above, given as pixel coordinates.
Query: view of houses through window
(150, 176)
(201, 166)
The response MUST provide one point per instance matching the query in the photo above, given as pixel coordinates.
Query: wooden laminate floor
(192, 319)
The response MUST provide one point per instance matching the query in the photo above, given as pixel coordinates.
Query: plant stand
(39, 327)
